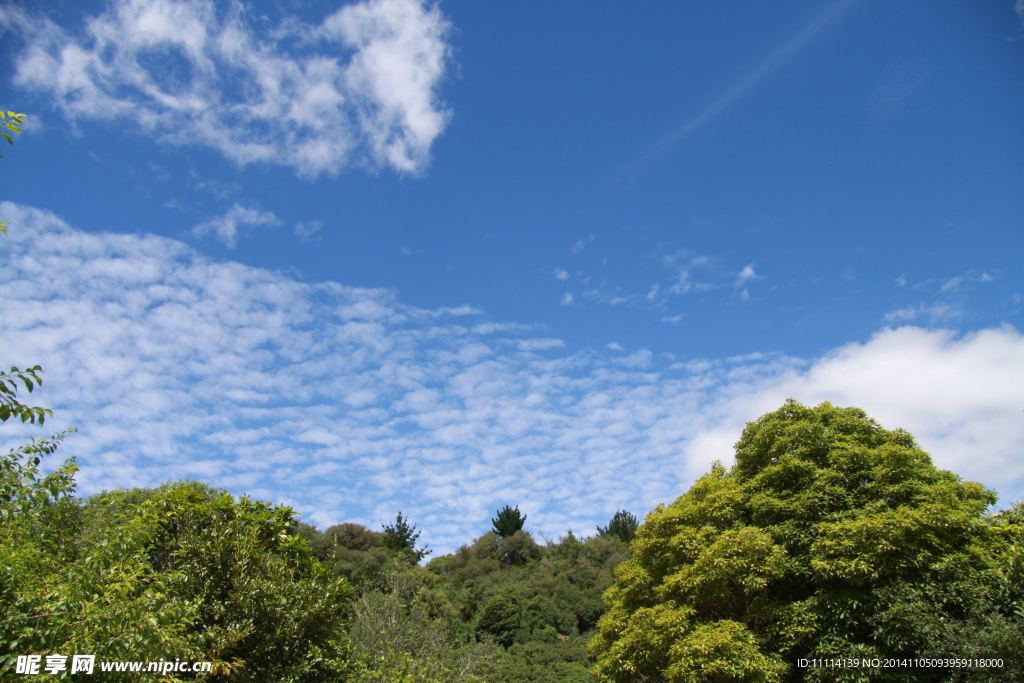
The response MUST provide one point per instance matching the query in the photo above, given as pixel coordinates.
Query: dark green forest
(831, 550)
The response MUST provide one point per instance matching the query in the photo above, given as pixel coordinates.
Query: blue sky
(387, 255)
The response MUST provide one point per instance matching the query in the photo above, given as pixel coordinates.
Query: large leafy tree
(829, 538)
(182, 571)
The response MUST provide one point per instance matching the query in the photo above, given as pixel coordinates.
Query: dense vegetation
(830, 538)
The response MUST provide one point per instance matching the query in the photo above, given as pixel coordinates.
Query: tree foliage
(622, 526)
(402, 633)
(538, 602)
(508, 521)
(13, 122)
(10, 406)
(829, 538)
(401, 537)
(182, 571)
(10, 121)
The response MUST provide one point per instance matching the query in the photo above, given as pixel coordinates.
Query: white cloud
(746, 274)
(306, 230)
(936, 313)
(577, 246)
(361, 90)
(539, 344)
(349, 405)
(965, 281)
(560, 274)
(567, 298)
(961, 397)
(614, 346)
(225, 228)
(684, 265)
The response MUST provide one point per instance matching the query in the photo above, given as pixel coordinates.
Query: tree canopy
(402, 536)
(508, 521)
(622, 526)
(829, 538)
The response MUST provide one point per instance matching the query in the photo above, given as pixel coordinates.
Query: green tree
(401, 537)
(622, 526)
(829, 538)
(500, 619)
(508, 521)
(403, 634)
(183, 571)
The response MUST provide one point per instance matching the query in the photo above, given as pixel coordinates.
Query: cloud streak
(350, 405)
(740, 88)
(360, 88)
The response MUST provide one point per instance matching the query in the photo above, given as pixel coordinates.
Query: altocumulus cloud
(349, 405)
(360, 87)
(225, 228)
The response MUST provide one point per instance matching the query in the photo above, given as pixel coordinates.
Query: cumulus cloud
(959, 395)
(350, 405)
(560, 274)
(225, 228)
(361, 87)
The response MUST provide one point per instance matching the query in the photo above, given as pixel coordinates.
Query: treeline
(830, 540)
(188, 572)
(832, 548)
(514, 609)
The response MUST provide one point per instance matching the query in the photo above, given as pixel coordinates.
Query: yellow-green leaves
(830, 537)
(722, 651)
(10, 121)
(890, 544)
(728, 574)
